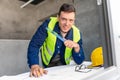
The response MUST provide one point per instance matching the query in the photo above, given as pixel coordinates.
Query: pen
(57, 35)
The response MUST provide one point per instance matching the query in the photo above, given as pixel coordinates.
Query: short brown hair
(66, 8)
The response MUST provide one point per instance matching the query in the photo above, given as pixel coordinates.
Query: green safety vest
(48, 47)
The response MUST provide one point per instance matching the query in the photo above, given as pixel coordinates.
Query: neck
(63, 34)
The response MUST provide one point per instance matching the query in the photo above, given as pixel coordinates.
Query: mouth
(64, 30)
(65, 27)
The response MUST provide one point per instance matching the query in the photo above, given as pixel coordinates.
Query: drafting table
(66, 72)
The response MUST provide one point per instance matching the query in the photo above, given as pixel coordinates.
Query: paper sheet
(55, 73)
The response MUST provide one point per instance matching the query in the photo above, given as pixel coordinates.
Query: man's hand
(71, 44)
(37, 71)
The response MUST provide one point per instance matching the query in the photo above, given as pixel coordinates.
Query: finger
(35, 73)
(69, 45)
(38, 74)
(45, 71)
(32, 73)
(41, 71)
(66, 43)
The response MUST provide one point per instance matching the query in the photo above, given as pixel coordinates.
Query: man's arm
(35, 44)
(33, 50)
(78, 56)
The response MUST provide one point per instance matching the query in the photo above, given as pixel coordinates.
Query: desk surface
(66, 72)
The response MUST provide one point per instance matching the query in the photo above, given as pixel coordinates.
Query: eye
(71, 20)
(63, 19)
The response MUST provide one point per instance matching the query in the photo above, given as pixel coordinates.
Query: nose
(67, 23)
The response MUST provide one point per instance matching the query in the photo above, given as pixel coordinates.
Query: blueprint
(66, 72)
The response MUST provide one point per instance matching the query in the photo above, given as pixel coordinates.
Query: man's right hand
(37, 71)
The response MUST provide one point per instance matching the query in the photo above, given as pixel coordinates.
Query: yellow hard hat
(97, 57)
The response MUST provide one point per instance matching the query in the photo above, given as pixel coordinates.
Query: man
(56, 50)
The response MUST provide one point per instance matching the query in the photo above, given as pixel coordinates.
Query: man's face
(66, 20)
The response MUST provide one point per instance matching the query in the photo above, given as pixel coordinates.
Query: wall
(16, 22)
(13, 57)
(87, 20)
(17, 25)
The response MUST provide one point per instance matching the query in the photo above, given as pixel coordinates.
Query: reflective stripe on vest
(48, 47)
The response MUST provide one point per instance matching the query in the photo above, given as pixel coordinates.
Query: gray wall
(13, 56)
(21, 23)
(89, 24)
(17, 25)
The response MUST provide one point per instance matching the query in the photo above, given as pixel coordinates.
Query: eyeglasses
(82, 68)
